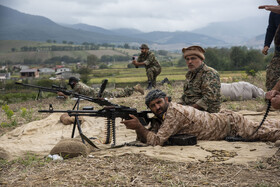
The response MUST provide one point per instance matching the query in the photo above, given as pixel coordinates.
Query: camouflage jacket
(150, 61)
(84, 89)
(202, 87)
(181, 119)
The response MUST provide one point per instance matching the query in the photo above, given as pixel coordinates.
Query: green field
(138, 75)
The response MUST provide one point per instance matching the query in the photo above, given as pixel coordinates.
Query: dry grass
(136, 170)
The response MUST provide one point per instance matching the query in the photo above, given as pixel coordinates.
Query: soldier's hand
(133, 123)
(265, 50)
(269, 95)
(275, 102)
(61, 94)
(134, 62)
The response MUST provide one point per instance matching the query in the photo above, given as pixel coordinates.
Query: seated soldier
(202, 85)
(172, 118)
(84, 89)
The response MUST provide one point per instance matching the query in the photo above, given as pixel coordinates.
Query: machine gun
(55, 89)
(109, 112)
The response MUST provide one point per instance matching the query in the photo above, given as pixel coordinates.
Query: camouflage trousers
(240, 126)
(152, 74)
(272, 72)
(118, 92)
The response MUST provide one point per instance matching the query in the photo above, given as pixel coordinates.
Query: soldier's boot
(138, 88)
(165, 80)
(150, 86)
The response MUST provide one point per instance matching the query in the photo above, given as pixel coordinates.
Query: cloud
(145, 15)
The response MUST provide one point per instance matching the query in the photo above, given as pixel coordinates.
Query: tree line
(71, 47)
(234, 58)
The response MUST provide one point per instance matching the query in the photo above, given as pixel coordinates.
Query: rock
(277, 143)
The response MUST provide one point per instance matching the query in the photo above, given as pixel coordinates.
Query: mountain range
(15, 25)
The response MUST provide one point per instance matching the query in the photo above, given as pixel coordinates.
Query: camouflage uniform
(83, 89)
(181, 119)
(153, 68)
(273, 69)
(202, 87)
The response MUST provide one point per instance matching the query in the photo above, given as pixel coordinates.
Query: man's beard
(164, 109)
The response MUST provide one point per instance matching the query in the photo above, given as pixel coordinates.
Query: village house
(61, 70)
(3, 68)
(5, 76)
(67, 75)
(19, 67)
(46, 70)
(29, 73)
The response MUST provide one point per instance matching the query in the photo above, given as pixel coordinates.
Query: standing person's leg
(272, 73)
(150, 76)
(273, 69)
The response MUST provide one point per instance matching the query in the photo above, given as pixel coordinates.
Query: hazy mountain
(15, 25)
(236, 32)
(188, 38)
(126, 31)
(256, 42)
(90, 28)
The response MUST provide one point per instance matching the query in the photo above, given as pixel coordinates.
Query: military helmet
(144, 46)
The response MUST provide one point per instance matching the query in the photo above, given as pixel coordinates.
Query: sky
(144, 15)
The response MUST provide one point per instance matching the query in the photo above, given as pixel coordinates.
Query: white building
(46, 70)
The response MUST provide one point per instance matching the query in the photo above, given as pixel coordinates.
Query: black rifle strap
(88, 140)
(264, 117)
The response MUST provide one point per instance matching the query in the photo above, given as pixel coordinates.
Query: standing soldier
(273, 31)
(202, 86)
(273, 22)
(153, 68)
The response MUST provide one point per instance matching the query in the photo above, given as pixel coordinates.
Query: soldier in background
(84, 89)
(172, 118)
(273, 30)
(202, 86)
(153, 68)
(273, 22)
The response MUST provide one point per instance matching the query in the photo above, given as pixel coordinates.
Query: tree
(162, 52)
(126, 46)
(181, 62)
(254, 56)
(92, 60)
(237, 57)
(212, 59)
